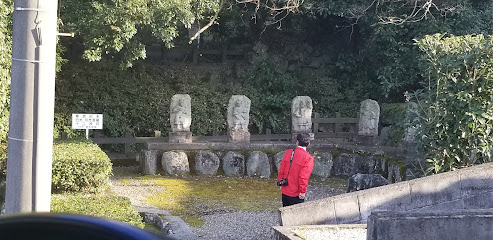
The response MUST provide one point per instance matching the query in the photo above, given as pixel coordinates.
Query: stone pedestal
(238, 136)
(180, 137)
(148, 162)
(295, 134)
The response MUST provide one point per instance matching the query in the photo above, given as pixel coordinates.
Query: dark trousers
(288, 201)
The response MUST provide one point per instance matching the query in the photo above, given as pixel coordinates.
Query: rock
(175, 163)
(322, 164)
(148, 161)
(384, 133)
(364, 181)
(258, 165)
(206, 162)
(234, 164)
(347, 164)
(156, 220)
(277, 159)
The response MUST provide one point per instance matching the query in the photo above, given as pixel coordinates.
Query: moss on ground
(338, 182)
(191, 196)
(188, 196)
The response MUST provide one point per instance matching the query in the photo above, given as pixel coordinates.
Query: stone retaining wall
(262, 160)
(469, 188)
(459, 224)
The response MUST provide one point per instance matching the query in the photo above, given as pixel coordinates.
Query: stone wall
(458, 224)
(468, 188)
(263, 163)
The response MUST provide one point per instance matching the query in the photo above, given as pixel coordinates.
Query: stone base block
(180, 137)
(148, 161)
(295, 134)
(238, 136)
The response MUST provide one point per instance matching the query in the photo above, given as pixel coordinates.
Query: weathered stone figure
(410, 134)
(180, 118)
(301, 112)
(238, 118)
(368, 118)
(181, 113)
(301, 115)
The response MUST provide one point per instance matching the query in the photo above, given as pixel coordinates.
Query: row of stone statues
(238, 117)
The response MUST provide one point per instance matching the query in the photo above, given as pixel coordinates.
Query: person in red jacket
(297, 173)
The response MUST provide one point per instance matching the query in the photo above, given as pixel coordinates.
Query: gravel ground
(251, 225)
(221, 224)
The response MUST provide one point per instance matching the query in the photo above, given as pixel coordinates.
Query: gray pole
(44, 105)
(31, 59)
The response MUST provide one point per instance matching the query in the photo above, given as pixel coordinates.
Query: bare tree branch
(207, 25)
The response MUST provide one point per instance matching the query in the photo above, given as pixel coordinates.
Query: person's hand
(302, 195)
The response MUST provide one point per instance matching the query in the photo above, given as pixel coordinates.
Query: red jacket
(299, 173)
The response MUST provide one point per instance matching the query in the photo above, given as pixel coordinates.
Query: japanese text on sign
(87, 121)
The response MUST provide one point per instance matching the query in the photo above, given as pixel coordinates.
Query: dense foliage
(455, 117)
(5, 52)
(109, 207)
(108, 27)
(80, 167)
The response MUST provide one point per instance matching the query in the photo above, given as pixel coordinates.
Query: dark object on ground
(364, 181)
(74, 227)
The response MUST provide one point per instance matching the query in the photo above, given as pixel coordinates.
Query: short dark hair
(303, 139)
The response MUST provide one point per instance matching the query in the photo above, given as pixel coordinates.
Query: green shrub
(456, 108)
(80, 166)
(110, 207)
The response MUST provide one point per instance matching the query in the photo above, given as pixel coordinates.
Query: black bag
(284, 181)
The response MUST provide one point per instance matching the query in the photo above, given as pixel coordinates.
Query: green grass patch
(337, 182)
(125, 181)
(110, 207)
(187, 196)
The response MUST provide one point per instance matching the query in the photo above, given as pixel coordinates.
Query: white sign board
(87, 121)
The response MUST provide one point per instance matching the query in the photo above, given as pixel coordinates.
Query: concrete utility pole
(31, 106)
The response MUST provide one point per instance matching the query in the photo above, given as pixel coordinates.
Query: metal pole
(44, 105)
(24, 63)
(31, 106)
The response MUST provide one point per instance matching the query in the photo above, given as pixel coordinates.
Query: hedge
(80, 166)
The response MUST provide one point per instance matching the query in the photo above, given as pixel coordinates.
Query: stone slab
(320, 212)
(395, 197)
(476, 180)
(287, 233)
(347, 208)
(435, 189)
(461, 224)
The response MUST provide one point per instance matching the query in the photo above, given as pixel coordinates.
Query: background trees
(338, 52)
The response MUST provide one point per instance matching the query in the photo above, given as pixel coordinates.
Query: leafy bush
(455, 116)
(110, 207)
(80, 166)
(6, 9)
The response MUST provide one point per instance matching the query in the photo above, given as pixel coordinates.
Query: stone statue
(180, 119)
(368, 118)
(180, 113)
(301, 114)
(238, 118)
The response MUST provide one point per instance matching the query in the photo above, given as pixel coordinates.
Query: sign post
(87, 121)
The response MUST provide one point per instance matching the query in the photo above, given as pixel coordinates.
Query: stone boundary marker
(468, 188)
(461, 224)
